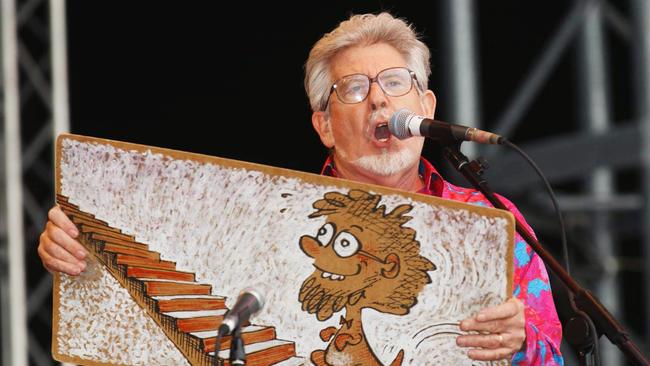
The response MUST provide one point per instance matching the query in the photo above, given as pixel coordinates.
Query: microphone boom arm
(584, 300)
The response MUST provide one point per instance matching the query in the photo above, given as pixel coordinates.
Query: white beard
(387, 163)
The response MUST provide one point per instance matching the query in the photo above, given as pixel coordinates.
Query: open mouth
(382, 133)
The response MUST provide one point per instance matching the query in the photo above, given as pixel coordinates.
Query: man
(357, 76)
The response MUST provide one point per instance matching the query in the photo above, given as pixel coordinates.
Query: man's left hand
(502, 331)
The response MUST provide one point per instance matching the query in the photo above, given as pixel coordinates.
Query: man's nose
(376, 96)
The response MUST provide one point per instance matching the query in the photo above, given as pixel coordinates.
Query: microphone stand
(237, 352)
(593, 318)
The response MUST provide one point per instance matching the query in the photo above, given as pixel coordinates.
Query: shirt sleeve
(532, 287)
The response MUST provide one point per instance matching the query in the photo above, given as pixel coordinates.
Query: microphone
(404, 124)
(248, 303)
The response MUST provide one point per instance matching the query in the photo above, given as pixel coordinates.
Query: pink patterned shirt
(531, 283)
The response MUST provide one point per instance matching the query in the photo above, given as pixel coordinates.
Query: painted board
(352, 274)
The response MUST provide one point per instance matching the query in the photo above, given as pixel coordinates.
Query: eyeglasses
(352, 89)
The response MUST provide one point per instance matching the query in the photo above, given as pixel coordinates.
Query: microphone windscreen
(256, 300)
(398, 124)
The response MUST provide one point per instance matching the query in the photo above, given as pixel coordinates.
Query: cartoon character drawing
(363, 258)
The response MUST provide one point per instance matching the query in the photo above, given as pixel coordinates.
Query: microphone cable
(565, 251)
(593, 333)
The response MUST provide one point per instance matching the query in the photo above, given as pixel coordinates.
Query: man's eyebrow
(357, 226)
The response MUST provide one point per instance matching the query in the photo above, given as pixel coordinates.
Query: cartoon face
(363, 257)
(344, 255)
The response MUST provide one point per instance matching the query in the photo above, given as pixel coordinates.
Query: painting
(351, 273)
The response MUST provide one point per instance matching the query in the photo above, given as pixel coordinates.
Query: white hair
(363, 30)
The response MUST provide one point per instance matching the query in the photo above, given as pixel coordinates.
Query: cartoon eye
(325, 234)
(346, 244)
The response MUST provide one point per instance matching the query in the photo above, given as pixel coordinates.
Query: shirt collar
(433, 182)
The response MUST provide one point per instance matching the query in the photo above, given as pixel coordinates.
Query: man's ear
(321, 122)
(428, 100)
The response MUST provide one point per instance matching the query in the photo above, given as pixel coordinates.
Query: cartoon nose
(309, 246)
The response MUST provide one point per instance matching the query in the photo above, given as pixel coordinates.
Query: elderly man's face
(358, 132)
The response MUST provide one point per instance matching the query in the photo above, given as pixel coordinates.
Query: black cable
(565, 251)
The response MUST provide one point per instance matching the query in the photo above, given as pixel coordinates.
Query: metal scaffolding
(608, 148)
(13, 288)
(34, 92)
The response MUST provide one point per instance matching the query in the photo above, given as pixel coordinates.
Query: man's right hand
(57, 247)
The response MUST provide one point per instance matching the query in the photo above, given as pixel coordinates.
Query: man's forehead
(368, 60)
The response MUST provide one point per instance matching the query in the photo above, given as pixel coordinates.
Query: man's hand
(58, 249)
(502, 331)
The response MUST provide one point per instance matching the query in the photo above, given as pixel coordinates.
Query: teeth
(333, 276)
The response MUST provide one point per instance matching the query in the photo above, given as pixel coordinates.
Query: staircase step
(75, 212)
(293, 361)
(61, 198)
(155, 287)
(129, 260)
(251, 334)
(93, 229)
(115, 248)
(69, 205)
(264, 353)
(126, 243)
(159, 274)
(196, 321)
(189, 302)
(84, 221)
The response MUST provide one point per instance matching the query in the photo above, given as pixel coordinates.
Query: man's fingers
(504, 324)
(490, 354)
(494, 326)
(489, 341)
(60, 219)
(56, 265)
(508, 309)
(56, 251)
(61, 238)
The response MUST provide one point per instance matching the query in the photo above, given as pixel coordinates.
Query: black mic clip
(237, 351)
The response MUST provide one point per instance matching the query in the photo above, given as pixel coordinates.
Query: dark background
(226, 79)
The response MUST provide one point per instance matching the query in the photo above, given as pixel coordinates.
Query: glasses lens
(353, 88)
(395, 82)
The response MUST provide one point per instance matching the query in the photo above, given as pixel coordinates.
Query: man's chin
(387, 163)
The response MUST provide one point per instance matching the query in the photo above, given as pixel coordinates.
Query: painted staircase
(187, 311)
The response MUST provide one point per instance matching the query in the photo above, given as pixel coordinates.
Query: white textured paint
(91, 309)
(233, 228)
